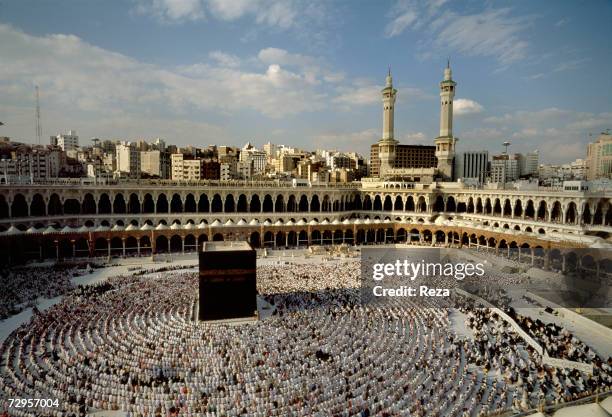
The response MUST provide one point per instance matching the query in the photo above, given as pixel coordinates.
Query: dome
(346, 221)
(115, 228)
(202, 225)
(175, 226)
(301, 222)
(229, 222)
(146, 226)
(216, 223)
(188, 226)
(161, 226)
(241, 222)
(313, 222)
(325, 222)
(278, 223)
(130, 227)
(254, 222)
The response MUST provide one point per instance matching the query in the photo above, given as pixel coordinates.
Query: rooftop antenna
(506, 144)
(38, 126)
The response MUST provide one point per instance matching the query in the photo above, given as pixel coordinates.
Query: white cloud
(273, 13)
(400, 23)
(281, 13)
(172, 10)
(463, 106)
(347, 141)
(77, 76)
(491, 32)
(560, 134)
(224, 59)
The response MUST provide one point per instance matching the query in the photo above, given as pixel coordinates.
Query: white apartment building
(67, 142)
(127, 158)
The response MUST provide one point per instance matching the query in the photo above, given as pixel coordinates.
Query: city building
(66, 142)
(504, 168)
(471, 165)
(190, 168)
(127, 159)
(599, 157)
(155, 163)
(258, 158)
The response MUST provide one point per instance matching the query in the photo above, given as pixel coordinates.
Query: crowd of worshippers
(131, 343)
(21, 287)
(498, 349)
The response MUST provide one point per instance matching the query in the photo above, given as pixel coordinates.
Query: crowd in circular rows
(21, 287)
(130, 343)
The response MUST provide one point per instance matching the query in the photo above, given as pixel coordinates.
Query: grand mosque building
(66, 218)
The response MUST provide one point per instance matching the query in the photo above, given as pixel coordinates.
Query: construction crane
(38, 126)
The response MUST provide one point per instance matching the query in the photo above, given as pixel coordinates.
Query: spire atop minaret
(448, 73)
(389, 78)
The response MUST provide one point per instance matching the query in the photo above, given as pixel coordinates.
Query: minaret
(386, 145)
(445, 143)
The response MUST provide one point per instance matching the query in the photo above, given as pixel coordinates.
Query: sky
(308, 73)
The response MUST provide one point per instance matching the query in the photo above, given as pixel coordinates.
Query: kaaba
(228, 286)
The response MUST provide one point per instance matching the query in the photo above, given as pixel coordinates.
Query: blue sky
(308, 73)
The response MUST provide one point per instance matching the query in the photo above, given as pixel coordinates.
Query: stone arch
(488, 209)
(133, 204)
(72, 206)
(530, 210)
(216, 205)
(556, 213)
(255, 240)
(279, 204)
(518, 208)
(203, 204)
(470, 205)
(162, 203)
(398, 205)
(19, 207)
(542, 213)
(292, 205)
(38, 206)
(88, 206)
(176, 204)
(315, 206)
(55, 207)
(268, 205)
(148, 205)
(507, 210)
(303, 205)
(377, 205)
(421, 205)
(255, 204)
(367, 203)
(4, 208)
(119, 206)
(438, 204)
(497, 208)
(230, 204)
(409, 204)
(190, 204)
(479, 208)
(451, 206)
(388, 204)
(242, 205)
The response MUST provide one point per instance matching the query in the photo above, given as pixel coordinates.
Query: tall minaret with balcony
(387, 144)
(445, 142)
